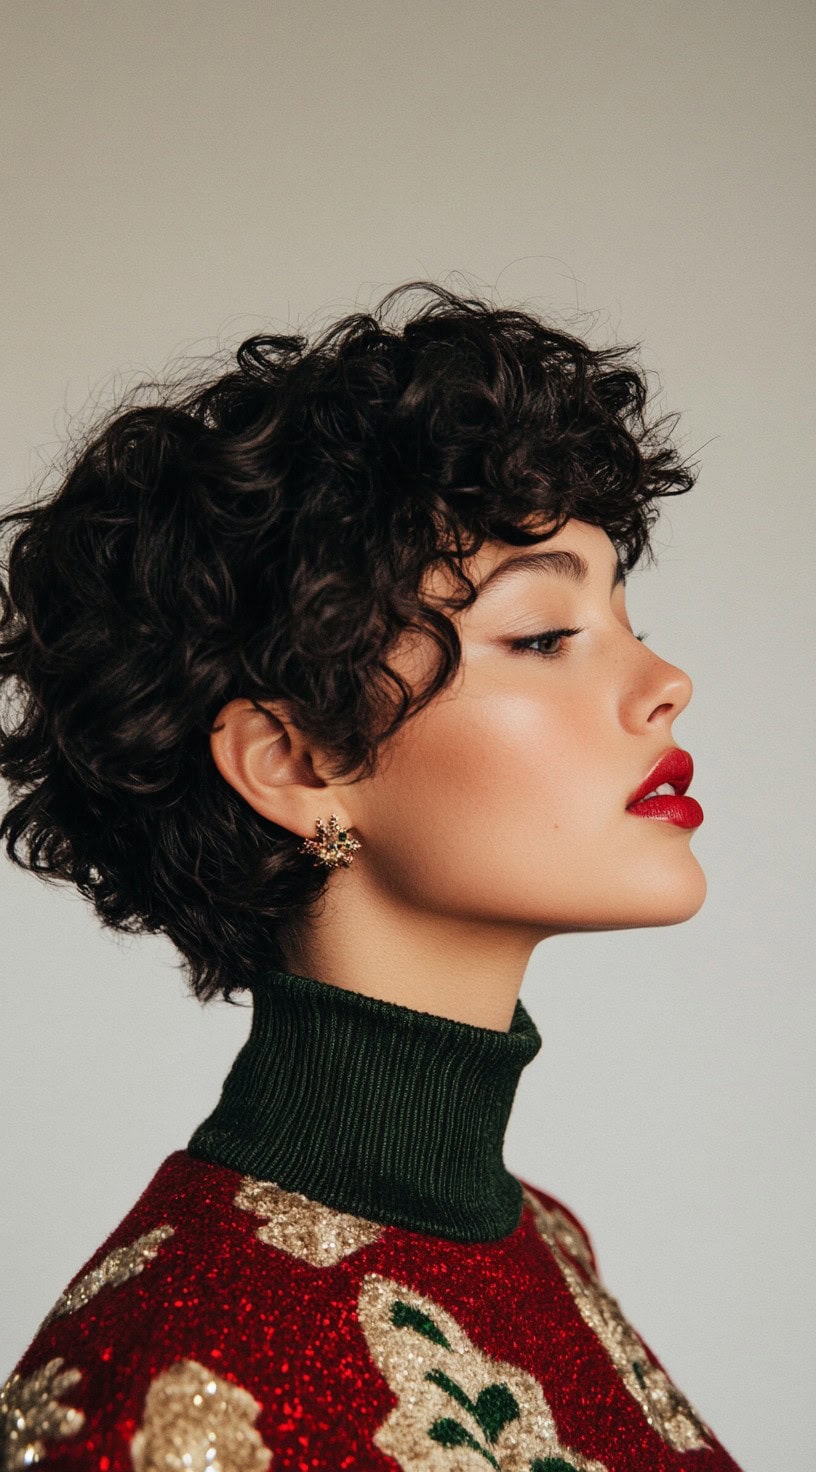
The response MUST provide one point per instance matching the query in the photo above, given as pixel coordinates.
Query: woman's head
(282, 565)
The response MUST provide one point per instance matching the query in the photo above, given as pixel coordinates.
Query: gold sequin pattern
(450, 1394)
(196, 1422)
(306, 1229)
(119, 1265)
(665, 1408)
(31, 1412)
(570, 1239)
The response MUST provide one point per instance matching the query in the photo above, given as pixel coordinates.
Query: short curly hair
(265, 534)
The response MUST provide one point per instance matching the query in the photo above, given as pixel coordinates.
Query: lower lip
(684, 811)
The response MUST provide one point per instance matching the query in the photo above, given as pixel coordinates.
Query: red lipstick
(675, 769)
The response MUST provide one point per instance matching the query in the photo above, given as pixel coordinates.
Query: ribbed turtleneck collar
(375, 1109)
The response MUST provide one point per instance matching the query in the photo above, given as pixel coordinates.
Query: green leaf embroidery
(448, 1432)
(404, 1316)
(492, 1409)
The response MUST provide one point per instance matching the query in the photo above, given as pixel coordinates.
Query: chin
(678, 899)
(660, 899)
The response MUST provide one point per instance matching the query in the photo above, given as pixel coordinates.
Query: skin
(497, 816)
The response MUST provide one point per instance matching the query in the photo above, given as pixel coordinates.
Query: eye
(547, 636)
(555, 638)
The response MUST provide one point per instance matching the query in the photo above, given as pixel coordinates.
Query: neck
(375, 1109)
(452, 966)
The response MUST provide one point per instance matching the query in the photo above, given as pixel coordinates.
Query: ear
(266, 758)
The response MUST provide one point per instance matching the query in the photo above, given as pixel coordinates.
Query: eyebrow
(561, 563)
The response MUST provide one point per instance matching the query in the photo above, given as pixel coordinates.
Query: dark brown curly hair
(266, 534)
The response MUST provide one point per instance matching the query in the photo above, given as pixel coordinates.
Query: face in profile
(505, 800)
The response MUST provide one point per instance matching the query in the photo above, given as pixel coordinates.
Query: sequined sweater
(340, 1274)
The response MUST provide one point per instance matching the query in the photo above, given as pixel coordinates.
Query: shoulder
(559, 1226)
(183, 1281)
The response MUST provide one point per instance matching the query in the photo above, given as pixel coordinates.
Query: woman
(327, 675)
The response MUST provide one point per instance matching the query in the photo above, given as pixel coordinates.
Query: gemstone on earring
(333, 846)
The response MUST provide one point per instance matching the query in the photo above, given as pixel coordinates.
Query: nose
(668, 691)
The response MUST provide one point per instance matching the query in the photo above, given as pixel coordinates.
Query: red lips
(675, 766)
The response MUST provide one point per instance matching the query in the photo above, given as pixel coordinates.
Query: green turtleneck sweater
(374, 1108)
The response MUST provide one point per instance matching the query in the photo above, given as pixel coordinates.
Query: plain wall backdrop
(180, 175)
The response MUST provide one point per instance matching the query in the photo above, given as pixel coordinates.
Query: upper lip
(674, 766)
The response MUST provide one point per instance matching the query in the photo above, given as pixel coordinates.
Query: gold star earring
(334, 846)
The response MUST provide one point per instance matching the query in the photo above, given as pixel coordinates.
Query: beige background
(179, 175)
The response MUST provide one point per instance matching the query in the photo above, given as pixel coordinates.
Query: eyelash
(524, 644)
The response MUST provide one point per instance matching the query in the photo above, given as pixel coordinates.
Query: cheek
(504, 769)
(508, 805)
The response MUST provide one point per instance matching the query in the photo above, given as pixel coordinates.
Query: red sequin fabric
(228, 1325)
